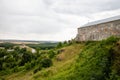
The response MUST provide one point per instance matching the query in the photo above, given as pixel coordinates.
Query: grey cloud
(28, 24)
(85, 7)
(48, 16)
(28, 19)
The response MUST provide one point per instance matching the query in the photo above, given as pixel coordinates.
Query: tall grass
(95, 62)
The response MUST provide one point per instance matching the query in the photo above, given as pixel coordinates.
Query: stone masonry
(99, 31)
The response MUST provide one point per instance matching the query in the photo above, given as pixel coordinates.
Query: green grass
(80, 61)
(68, 57)
(97, 61)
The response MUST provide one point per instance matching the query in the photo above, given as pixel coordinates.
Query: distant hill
(24, 41)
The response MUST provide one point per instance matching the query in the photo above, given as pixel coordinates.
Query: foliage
(46, 62)
(28, 66)
(7, 45)
(66, 43)
(51, 54)
(37, 69)
(26, 57)
(22, 60)
(43, 46)
(59, 45)
(97, 61)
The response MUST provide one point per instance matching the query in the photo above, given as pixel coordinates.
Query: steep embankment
(61, 63)
(97, 61)
(83, 61)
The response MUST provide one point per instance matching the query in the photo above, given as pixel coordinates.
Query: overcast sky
(56, 20)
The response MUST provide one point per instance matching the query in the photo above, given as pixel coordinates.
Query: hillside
(79, 61)
(60, 63)
(97, 61)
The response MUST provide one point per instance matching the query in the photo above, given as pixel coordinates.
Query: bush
(59, 45)
(51, 54)
(28, 66)
(110, 40)
(16, 69)
(94, 63)
(2, 78)
(46, 62)
(37, 69)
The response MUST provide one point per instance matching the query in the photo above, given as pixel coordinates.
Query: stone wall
(98, 31)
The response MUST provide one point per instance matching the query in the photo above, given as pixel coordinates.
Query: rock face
(99, 30)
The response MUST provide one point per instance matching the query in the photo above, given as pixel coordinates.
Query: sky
(51, 20)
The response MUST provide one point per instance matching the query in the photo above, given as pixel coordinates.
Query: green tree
(27, 57)
(46, 62)
(59, 45)
(51, 54)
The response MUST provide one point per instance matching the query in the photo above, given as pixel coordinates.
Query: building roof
(102, 21)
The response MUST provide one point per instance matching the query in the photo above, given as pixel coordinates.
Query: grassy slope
(67, 58)
(97, 61)
(93, 61)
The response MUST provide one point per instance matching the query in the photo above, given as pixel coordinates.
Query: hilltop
(91, 60)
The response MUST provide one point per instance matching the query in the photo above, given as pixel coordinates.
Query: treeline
(7, 45)
(66, 43)
(43, 46)
(47, 46)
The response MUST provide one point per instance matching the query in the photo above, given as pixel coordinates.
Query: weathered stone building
(99, 30)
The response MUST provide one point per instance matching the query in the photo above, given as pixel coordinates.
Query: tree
(46, 62)
(27, 57)
(1, 62)
(59, 45)
(51, 54)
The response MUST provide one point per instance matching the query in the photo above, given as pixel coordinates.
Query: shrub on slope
(94, 63)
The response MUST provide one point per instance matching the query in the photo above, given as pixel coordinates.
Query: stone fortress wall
(98, 31)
